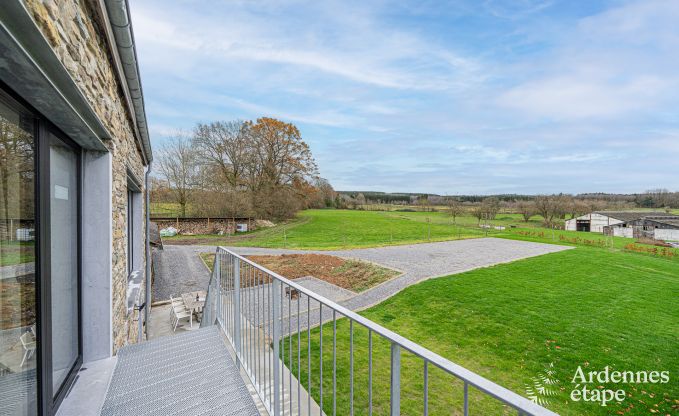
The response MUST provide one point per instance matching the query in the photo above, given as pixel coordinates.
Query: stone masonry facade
(74, 30)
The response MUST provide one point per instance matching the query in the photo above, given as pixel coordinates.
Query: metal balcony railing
(273, 323)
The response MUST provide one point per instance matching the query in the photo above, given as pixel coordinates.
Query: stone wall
(74, 30)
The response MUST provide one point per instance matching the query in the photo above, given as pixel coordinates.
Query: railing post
(236, 307)
(395, 379)
(276, 305)
(217, 270)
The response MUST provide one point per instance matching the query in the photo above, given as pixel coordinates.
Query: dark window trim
(58, 397)
(47, 401)
(130, 233)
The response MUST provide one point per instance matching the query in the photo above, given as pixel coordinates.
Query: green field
(594, 306)
(333, 229)
(168, 209)
(343, 229)
(588, 306)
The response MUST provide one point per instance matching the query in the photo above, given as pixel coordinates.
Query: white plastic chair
(176, 305)
(179, 311)
(28, 342)
(180, 314)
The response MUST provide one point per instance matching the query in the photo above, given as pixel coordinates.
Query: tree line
(261, 169)
(552, 208)
(659, 198)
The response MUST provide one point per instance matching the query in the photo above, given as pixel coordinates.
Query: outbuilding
(596, 221)
(658, 228)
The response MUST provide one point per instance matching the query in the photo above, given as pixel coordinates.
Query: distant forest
(656, 198)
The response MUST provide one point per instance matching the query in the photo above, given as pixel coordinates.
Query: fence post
(276, 305)
(236, 307)
(395, 379)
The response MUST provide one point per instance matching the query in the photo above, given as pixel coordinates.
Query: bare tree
(178, 163)
(526, 209)
(491, 207)
(324, 196)
(423, 201)
(563, 205)
(16, 170)
(546, 206)
(226, 146)
(479, 212)
(579, 208)
(455, 208)
(659, 198)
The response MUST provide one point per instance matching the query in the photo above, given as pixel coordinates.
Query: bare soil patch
(354, 275)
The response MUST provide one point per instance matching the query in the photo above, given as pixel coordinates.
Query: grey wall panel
(97, 257)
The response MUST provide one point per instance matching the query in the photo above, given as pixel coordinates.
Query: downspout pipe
(148, 246)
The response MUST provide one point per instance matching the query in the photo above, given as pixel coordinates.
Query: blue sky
(449, 97)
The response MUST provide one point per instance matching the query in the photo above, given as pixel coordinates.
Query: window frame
(47, 399)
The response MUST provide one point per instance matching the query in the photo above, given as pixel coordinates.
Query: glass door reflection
(64, 289)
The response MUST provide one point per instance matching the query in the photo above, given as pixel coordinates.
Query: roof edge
(118, 28)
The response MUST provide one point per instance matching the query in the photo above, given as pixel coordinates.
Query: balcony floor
(187, 374)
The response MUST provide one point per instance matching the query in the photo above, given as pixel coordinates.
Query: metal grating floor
(187, 374)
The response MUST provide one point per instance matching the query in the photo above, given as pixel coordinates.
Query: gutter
(121, 36)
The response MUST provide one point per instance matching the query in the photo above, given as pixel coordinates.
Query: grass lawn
(337, 229)
(587, 307)
(13, 252)
(168, 209)
(575, 238)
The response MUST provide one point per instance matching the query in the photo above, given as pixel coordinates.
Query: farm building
(596, 221)
(658, 228)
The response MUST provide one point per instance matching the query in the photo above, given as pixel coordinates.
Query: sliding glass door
(40, 323)
(63, 282)
(18, 277)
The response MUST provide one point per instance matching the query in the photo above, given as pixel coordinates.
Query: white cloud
(434, 96)
(361, 49)
(609, 66)
(574, 97)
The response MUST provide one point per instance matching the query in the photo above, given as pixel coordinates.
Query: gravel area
(325, 289)
(417, 262)
(178, 271)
